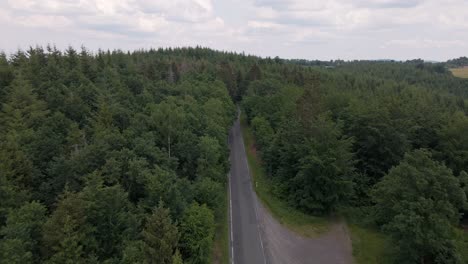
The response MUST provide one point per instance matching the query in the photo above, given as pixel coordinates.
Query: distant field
(460, 72)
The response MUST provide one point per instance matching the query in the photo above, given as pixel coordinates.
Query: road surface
(257, 238)
(246, 241)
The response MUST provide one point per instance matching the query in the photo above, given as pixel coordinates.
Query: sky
(306, 29)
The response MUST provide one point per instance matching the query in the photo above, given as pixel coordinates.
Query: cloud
(132, 17)
(266, 13)
(290, 28)
(179, 10)
(424, 43)
(46, 21)
(263, 24)
(388, 3)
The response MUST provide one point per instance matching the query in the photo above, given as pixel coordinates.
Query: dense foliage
(417, 201)
(386, 138)
(120, 157)
(112, 157)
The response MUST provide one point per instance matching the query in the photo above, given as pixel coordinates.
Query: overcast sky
(309, 29)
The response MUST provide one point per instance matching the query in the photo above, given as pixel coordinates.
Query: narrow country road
(246, 241)
(257, 238)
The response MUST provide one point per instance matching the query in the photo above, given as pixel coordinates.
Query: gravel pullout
(284, 246)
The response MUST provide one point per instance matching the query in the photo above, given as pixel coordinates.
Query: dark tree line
(459, 62)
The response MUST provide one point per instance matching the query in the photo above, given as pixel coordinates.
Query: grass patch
(460, 72)
(302, 224)
(370, 246)
(220, 252)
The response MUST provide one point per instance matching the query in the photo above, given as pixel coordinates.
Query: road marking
(255, 197)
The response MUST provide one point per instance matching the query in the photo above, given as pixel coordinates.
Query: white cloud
(266, 13)
(397, 4)
(186, 10)
(291, 28)
(215, 25)
(264, 24)
(424, 43)
(45, 21)
(151, 23)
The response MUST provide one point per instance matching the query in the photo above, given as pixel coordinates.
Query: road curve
(257, 238)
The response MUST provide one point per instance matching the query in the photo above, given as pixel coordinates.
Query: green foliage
(209, 162)
(379, 144)
(309, 156)
(209, 192)
(163, 185)
(417, 202)
(177, 258)
(371, 246)
(10, 196)
(454, 143)
(263, 131)
(160, 236)
(22, 110)
(134, 253)
(328, 137)
(325, 174)
(66, 233)
(197, 232)
(459, 62)
(101, 138)
(304, 224)
(69, 249)
(112, 216)
(22, 233)
(13, 251)
(169, 119)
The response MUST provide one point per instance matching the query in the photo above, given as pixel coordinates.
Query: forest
(122, 157)
(382, 142)
(111, 157)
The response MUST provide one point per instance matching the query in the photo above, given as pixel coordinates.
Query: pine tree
(160, 236)
(22, 233)
(66, 232)
(70, 247)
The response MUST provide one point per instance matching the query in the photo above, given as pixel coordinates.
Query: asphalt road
(246, 241)
(258, 238)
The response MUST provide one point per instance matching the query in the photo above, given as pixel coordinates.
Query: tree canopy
(122, 157)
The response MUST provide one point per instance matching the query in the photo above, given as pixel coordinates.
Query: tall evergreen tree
(160, 236)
